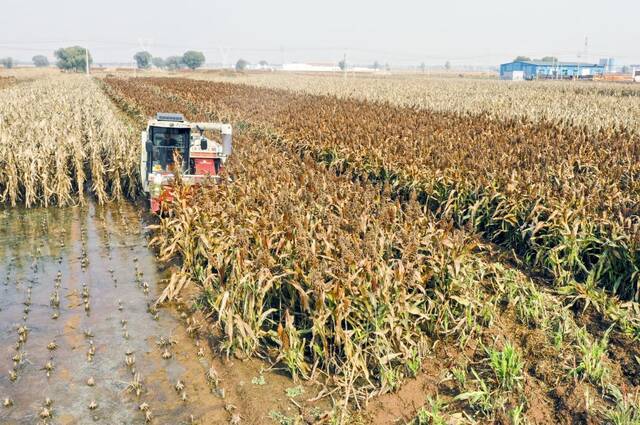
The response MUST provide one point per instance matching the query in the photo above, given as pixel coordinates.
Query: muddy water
(76, 286)
(79, 281)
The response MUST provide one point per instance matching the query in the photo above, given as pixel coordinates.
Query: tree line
(72, 58)
(190, 59)
(75, 58)
(543, 59)
(38, 60)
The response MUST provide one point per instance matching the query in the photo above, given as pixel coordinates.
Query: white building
(307, 67)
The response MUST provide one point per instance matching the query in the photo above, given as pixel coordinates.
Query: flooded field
(80, 340)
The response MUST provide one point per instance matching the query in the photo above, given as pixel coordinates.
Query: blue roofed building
(536, 69)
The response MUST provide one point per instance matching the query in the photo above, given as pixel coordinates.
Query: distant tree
(263, 63)
(447, 65)
(7, 62)
(193, 59)
(343, 65)
(376, 65)
(72, 58)
(549, 59)
(143, 60)
(625, 69)
(423, 67)
(173, 62)
(387, 67)
(241, 65)
(158, 62)
(40, 61)
(522, 58)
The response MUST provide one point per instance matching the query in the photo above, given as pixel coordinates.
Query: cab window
(165, 142)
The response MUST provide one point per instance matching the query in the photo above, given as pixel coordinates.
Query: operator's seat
(163, 150)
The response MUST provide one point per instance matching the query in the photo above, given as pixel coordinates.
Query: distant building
(517, 75)
(608, 63)
(261, 67)
(531, 70)
(324, 67)
(310, 67)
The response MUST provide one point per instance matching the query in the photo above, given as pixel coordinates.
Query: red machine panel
(204, 166)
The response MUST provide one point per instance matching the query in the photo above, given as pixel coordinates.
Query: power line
(399, 55)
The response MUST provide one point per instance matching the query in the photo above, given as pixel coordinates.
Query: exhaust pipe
(227, 144)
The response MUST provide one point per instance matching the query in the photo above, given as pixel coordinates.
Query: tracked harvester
(169, 137)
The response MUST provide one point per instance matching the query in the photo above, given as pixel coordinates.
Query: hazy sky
(400, 32)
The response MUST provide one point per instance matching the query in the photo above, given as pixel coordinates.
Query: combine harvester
(170, 136)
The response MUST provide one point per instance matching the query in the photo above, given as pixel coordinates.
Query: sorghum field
(56, 135)
(82, 339)
(369, 242)
(385, 250)
(588, 104)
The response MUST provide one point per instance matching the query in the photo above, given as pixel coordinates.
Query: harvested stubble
(58, 135)
(563, 198)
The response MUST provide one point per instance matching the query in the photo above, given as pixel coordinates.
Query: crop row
(570, 104)
(624, 315)
(58, 136)
(564, 200)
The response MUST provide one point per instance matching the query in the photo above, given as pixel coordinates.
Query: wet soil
(77, 287)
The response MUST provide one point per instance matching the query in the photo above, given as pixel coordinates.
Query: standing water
(80, 340)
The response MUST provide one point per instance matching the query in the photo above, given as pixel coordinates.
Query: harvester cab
(170, 136)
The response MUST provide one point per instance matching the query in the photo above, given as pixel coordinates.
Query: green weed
(507, 366)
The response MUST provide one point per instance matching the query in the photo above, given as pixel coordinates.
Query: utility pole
(585, 53)
(344, 65)
(86, 58)
(586, 48)
(224, 54)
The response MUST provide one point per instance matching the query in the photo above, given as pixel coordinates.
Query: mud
(82, 282)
